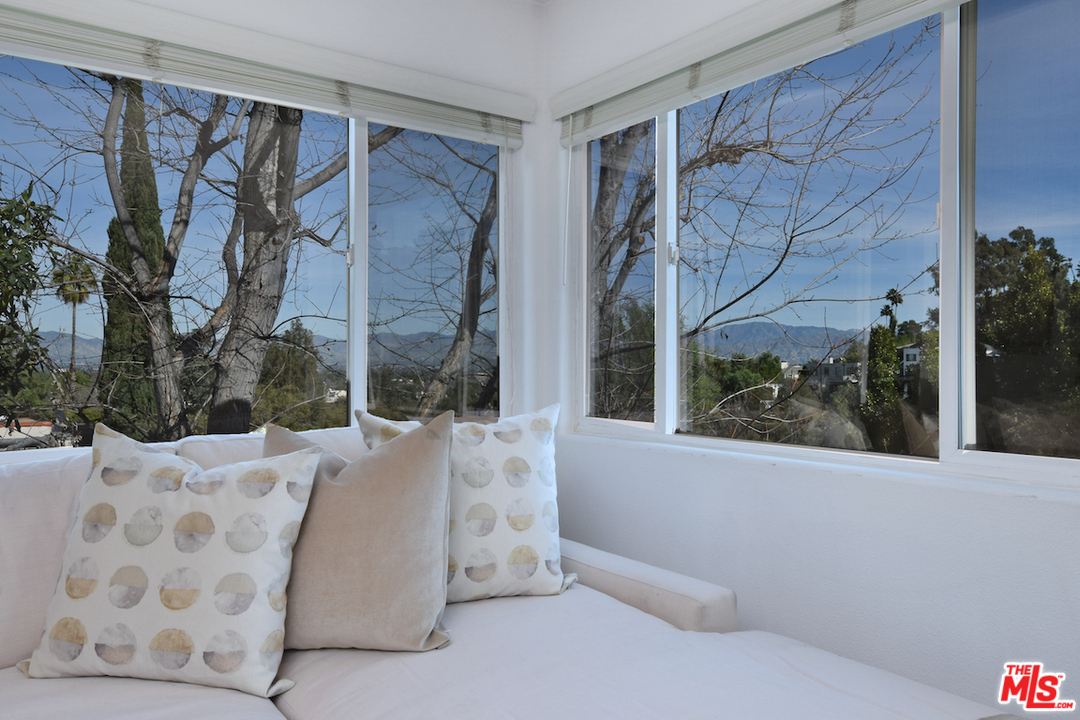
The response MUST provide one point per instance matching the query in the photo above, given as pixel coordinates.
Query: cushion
(108, 698)
(369, 568)
(37, 506)
(282, 441)
(175, 573)
(209, 451)
(587, 655)
(504, 518)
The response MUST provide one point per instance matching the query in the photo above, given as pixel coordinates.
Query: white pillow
(504, 517)
(175, 573)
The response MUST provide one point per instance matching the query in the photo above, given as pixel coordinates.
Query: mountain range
(87, 349)
(795, 343)
(389, 348)
(411, 349)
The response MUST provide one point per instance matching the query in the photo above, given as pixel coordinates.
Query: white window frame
(357, 258)
(957, 298)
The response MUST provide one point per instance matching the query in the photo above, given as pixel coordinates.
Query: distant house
(834, 371)
(790, 372)
(910, 354)
(32, 433)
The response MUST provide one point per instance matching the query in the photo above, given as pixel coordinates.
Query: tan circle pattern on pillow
(169, 573)
(504, 529)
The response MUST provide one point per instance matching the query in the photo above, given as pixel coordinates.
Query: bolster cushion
(685, 602)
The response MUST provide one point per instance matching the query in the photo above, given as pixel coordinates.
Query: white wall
(489, 43)
(583, 39)
(942, 580)
(536, 304)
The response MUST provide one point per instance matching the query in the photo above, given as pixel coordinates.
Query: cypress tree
(881, 413)
(127, 390)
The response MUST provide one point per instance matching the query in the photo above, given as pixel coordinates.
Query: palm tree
(75, 282)
(894, 298)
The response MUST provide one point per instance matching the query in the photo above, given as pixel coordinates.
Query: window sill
(1040, 476)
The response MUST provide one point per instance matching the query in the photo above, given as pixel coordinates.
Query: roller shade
(821, 33)
(42, 37)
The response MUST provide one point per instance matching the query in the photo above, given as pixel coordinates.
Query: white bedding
(106, 698)
(584, 654)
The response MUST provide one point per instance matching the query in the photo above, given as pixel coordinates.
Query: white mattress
(584, 654)
(107, 698)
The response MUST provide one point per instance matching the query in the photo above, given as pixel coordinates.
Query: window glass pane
(622, 249)
(1027, 225)
(433, 266)
(808, 251)
(211, 295)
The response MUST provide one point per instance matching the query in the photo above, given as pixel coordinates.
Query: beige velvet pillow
(369, 568)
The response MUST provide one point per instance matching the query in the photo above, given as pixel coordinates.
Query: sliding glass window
(808, 247)
(1025, 229)
(806, 253)
(621, 273)
(433, 246)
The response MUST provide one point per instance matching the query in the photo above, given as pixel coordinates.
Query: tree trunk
(71, 367)
(457, 357)
(166, 370)
(265, 196)
(606, 238)
(127, 368)
(150, 285)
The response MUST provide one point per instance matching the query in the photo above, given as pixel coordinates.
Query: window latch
(673, 254)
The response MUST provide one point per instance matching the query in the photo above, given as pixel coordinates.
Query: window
(1026, 227)
(874, 247)
(622, 250)
(806, 253)
(432, 277)
(201, 283)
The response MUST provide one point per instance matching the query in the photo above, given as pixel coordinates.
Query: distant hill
(795, 343)
(87, 349)
(416, 348)
(427, 349)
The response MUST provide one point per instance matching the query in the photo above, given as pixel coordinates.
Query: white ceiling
(532, 48)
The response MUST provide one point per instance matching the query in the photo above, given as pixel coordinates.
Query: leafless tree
(246, 164)
(812, 167)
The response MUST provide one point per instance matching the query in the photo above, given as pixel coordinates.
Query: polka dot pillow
(175, 573)
(504, 517)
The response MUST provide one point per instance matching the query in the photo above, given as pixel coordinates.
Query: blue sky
(840, 297)
(731, 197)
(403, 219)
(1027, 169)
(419, 236)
